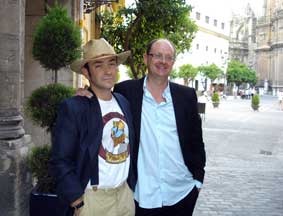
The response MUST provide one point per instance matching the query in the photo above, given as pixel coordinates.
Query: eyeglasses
(160, 57)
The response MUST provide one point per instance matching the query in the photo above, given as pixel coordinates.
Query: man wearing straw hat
(93, 138)
(169, 150)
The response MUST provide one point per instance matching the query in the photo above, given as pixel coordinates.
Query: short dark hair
(150, 44)
(86, 66)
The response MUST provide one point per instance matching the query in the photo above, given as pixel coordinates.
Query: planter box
(46, 204)
(215, 104)
(255, 107)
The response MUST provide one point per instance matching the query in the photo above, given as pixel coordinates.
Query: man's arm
(198, 150)
(64, 153)
(84, 92)
(120, 88)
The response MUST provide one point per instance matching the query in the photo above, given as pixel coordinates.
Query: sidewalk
(244, 172)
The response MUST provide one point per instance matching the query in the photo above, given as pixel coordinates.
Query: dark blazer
(77, 137)
(187, 119)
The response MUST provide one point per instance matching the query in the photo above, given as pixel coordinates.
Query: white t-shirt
(114, 153)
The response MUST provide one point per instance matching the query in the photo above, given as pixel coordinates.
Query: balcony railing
(263, 20)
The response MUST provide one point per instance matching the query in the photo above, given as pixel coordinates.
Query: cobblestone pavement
(244, 172)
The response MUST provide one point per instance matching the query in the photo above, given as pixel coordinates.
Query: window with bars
(197, 15)
(207, 19)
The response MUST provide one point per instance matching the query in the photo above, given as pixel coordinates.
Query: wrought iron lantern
(90, 5)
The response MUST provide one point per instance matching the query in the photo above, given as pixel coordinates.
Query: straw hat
(98, 49)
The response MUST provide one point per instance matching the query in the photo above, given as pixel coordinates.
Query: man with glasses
(169, 146)
(169, 151)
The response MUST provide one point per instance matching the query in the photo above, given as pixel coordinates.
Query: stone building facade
(242, 40)
(34, 75)
(20, 74)
(14, 180)
(258, 43)
(269, 51)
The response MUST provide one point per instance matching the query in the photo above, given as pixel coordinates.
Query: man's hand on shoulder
(84, 92)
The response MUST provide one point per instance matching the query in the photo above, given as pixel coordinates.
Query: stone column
(14, 179)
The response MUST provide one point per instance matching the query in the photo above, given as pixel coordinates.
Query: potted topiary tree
(43, 200)
(41, 107)
(57, 40)
(215, 100)
(255, 102)
(37, 161)
(57, 43)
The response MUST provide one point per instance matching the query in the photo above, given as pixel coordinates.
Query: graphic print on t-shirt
(115, 143)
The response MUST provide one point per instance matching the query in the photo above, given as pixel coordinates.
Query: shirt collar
(166, 93)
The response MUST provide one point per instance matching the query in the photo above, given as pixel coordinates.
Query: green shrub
(215, 97)
(37, 161)
(41, 106)
(255, 100)
(57, 40)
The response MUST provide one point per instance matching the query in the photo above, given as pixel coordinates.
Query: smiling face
(160, 59)
(102, 74)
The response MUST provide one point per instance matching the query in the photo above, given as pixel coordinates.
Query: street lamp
(90, 5)
(225, 60)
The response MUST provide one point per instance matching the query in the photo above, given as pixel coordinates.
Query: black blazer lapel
(95, 126)
(178, 103)
(138, 95)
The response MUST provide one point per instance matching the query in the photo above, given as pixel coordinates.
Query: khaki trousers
(108, 202)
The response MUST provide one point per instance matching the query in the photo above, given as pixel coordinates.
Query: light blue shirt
(163, 177)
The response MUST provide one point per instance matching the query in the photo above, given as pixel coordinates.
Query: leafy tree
(57, 40)
(188, 72)
(239, 73)
(134, 27)
(41, 106)
(235, 72)
(131, 75)
(118, 76)
(251, 77)
(38, 163)
(211, 71)
(174, 74)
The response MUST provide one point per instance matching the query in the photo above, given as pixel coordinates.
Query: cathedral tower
(269, 51)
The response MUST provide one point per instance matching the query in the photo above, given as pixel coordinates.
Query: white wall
(210, 44)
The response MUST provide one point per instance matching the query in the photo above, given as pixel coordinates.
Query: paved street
(244, 172)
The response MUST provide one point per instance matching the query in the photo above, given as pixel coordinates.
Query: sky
(226, 7)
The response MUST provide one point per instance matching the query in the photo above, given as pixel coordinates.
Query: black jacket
(77, 138)
(187, 119)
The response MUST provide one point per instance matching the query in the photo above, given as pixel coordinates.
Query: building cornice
(278, 44)
(278, 15)
(239, 48)
(214, 33)
(263, 48)
(263, 21)
(238, 45)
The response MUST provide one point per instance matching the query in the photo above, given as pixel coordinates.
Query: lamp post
(90, 5)
(224, 67)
